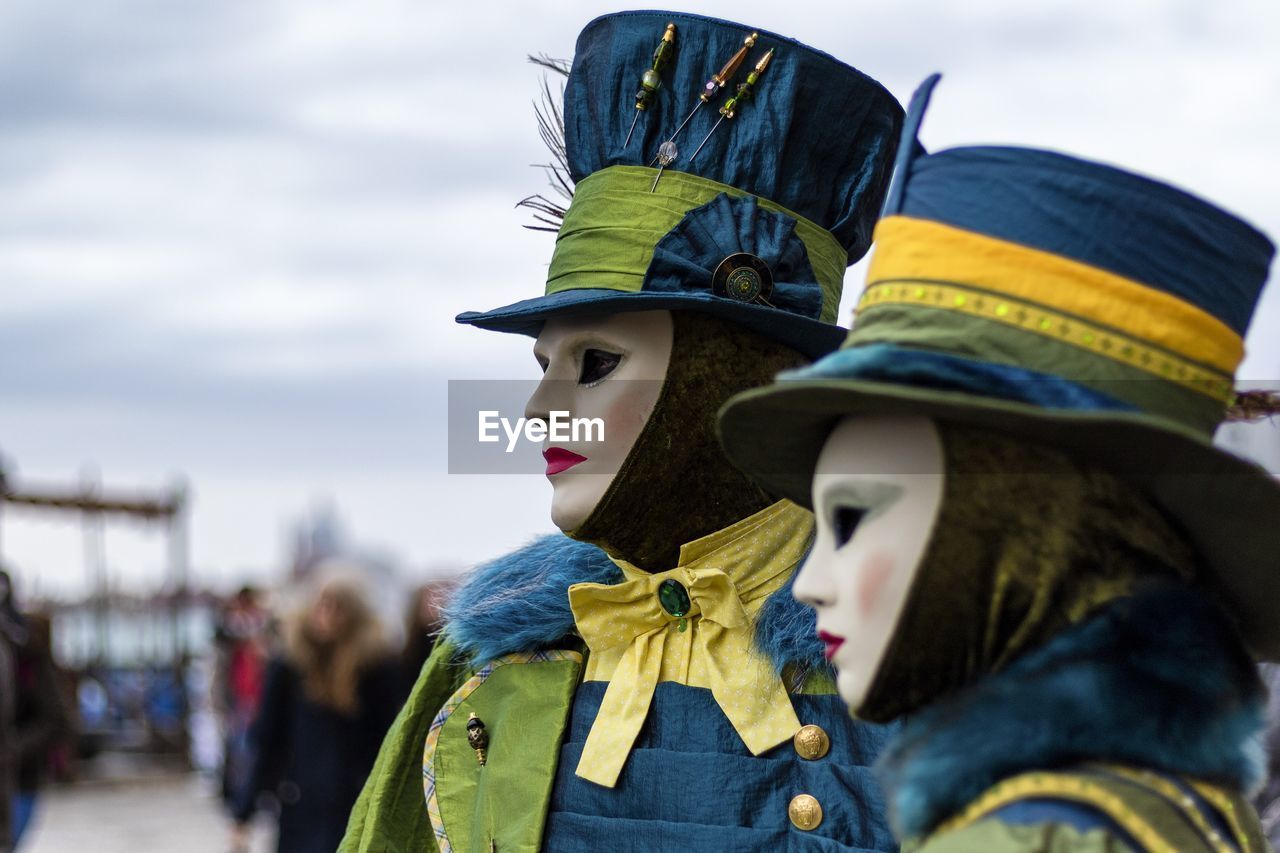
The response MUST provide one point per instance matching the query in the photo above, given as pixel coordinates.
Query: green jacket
(530, 691)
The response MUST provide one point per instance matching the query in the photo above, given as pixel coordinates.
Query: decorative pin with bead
(667, 154)
(717, 82)
(651, 80)
(745, 91)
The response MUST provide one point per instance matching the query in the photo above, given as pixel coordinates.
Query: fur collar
(518, 603)
(1158, 679)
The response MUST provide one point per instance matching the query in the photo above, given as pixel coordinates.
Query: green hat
(760, 226)
(1071, 303)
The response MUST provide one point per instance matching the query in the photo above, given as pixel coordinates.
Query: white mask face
(877, 491)
(609, 367)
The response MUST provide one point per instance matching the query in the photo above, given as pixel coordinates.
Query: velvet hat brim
(1229, 507)
(813, 338)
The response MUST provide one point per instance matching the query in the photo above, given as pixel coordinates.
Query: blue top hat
(1070, 302)
(759, 227)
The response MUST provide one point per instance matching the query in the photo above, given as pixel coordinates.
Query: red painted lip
(832, 642)
(559, 459)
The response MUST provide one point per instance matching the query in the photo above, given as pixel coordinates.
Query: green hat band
(614, 222)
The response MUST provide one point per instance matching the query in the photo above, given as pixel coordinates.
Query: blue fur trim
(1158, 680)
(787, 631)
(519, 603)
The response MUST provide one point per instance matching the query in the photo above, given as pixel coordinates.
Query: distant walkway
(154, 814)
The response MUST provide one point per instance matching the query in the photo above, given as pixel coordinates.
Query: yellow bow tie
(639, 614)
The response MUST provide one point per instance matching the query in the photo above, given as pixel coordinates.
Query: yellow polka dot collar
(691, 624)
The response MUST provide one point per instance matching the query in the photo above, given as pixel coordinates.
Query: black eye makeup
(597, 364)
(849, 503)
(844, 521)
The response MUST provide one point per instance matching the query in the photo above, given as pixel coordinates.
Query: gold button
(811, 742)
(805, 812)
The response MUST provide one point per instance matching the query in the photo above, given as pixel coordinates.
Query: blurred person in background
(32, 711)
(422, 625)
(326, 704)
(61, 767)
(242, 653)
(12, 635)
(42, 716)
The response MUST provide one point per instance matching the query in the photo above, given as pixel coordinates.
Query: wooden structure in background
(94, 506)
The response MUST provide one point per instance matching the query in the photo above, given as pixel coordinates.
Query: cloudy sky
(233, 235)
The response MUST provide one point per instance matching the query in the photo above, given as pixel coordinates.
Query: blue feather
(1157, 680)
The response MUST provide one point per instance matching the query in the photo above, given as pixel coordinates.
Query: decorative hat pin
(712, 88)
(730, 107)
(667, 153)
(651, 80)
